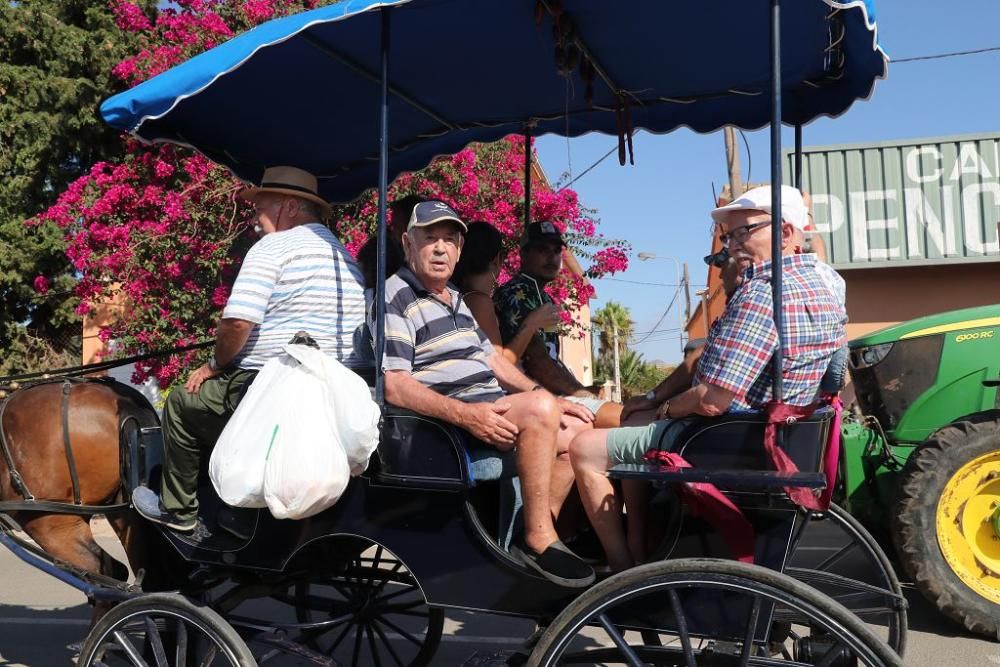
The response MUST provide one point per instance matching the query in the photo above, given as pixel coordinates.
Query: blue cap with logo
(428, 213)
(537, 232)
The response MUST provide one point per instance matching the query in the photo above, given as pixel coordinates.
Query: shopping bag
(307, 468)
(236, 467)
(355, 415)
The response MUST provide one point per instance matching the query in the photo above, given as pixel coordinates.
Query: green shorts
(630, 443)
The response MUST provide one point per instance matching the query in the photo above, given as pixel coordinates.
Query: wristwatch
(213, 365)
(650, 395)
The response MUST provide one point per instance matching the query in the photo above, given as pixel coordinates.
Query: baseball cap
(541, 231)
(793, 208)
(428, 213)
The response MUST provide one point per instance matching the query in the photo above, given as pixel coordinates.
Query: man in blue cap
(438, 362)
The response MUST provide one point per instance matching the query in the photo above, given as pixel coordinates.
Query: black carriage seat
(729, 451)
(423, 452)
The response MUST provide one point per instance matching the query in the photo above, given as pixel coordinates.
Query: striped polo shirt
(439, 344)
(301, 279)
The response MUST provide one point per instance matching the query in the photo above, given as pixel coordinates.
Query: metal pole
(527, 177)
(776, 286)
(798, 157)
(383, 194)
(618, 374)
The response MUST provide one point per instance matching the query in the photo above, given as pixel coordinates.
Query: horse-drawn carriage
(426, 527)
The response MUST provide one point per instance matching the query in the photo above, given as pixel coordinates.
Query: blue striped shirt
(439, 344)
(302, 279)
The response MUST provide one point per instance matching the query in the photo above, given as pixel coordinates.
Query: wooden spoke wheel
(370, 613)
(711, 612)
(163, 630)
(838, 557)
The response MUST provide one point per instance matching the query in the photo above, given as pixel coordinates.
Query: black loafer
(557, 564)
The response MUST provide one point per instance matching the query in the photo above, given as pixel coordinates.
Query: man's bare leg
(536, 415)
(562, 470)
(609, 415)
(589, 456)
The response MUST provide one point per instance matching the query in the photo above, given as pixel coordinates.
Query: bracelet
(666, 411)
(213, 365)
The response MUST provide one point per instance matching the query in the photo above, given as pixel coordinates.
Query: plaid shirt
(741, 343)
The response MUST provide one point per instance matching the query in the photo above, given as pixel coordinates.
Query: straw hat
(288, 181)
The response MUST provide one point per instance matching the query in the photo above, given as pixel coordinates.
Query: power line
(951, 54)
(639, 282)
(669, 306)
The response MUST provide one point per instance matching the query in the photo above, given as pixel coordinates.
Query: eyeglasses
(741, 234)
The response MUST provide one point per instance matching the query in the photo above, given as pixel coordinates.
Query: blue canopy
(304, 90)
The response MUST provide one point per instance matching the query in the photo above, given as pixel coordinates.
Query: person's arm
(508, 375)
(551, 374)
(678, 381)
(230, 337)
(541, 317)
(483, 420)
(705, 399)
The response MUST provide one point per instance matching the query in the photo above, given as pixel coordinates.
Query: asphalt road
(40, 618)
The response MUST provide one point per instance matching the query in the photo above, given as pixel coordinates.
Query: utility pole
(733, 163)
(618, 373)
(687, 295)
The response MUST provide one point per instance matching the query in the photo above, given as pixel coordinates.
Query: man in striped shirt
(438, 362)
(298, 277)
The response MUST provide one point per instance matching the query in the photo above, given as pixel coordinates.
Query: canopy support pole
(383, 196)
(527, 176)
(776, 259)
(798, 157)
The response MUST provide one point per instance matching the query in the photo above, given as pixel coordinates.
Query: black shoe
(148, 504)
(557, 564)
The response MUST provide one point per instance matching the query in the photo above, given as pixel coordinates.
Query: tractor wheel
(946, 523)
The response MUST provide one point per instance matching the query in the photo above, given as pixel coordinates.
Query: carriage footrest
(743, 480)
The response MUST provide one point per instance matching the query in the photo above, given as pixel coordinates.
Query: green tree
(612, 315)
(56, 58)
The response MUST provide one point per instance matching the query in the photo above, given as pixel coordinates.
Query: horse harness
(29, 502)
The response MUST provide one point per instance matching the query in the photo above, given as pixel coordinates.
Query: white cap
(793, 209)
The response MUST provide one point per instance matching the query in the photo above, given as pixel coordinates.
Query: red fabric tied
(832, 459)
(780, 413)
(707, 501)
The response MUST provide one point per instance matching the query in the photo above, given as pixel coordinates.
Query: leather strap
(74, 478)
(15, 477)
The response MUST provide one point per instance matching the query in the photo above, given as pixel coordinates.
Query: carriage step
(743, 480)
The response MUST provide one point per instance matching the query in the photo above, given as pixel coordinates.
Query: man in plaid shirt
(735, 371)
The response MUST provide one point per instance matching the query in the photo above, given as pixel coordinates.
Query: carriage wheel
(832, 636)
(839, 558)
(164, 630)
(373, 611)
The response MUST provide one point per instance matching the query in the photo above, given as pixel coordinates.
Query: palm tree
(613, 315)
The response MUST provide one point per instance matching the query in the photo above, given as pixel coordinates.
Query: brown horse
(32, 426)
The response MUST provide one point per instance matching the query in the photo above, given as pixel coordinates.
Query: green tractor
(923, 457)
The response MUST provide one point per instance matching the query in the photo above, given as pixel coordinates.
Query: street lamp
(681, 281)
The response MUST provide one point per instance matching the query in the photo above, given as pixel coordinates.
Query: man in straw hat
(297, 277)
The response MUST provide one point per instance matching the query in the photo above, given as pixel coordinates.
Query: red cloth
(780, 413)
(707, 501)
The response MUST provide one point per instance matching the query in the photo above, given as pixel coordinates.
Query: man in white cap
(298, 277)
(735, 370)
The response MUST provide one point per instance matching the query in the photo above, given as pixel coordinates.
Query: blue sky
(661, 204)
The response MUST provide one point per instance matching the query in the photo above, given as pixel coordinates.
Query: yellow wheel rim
(965, 533)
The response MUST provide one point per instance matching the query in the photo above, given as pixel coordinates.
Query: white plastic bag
(327, 435)
(238, 459)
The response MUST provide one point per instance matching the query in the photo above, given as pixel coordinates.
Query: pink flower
(41, 284)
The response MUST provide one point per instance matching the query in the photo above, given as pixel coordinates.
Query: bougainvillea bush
(162, 231)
